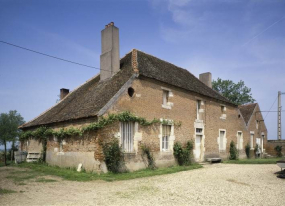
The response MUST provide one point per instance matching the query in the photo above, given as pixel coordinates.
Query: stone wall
(147, 102)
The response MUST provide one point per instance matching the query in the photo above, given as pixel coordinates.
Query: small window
(199, 130)
(198, 108)
(131, 92)
(256, 124)
(223, 109)
(165, 97)
(221, 142)
(127, 136)
(165, 137)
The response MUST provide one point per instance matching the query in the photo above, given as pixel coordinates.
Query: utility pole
(279, 109)
(279, 116)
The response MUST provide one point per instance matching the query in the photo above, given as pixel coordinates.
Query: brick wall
(271, 144)
(147, 102)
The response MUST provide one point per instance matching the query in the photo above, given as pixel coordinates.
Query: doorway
(198, 141)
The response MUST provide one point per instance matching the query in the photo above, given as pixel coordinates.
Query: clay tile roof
(86, 100)
(89, 98)
(247, 110)
(161, 70)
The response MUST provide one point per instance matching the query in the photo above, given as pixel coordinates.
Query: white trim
(171, 137)
(240, 142)
(224, 146)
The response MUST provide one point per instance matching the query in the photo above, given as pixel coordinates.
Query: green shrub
(247, 150)
(113, 156)
(233, 151)
(278, 150)
(183, 155)
(150, 159)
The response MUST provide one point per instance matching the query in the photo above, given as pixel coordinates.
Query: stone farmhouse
(148, 87)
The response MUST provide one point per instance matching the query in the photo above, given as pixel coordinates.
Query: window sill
(166, 106)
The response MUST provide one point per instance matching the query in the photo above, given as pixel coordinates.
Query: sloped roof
(86, 100)
(89, 98)
(161, 70)
(246, 111)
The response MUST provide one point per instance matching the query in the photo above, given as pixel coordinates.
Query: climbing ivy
(44, 132)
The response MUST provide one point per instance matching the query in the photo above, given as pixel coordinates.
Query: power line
(271, 107)
(263, 31)
(58, 58)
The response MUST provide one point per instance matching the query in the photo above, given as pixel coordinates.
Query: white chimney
(110, 54)
(206, 78)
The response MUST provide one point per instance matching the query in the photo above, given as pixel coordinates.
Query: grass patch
(9, 163)
(5, 191)
(69, 174)
(253, 161)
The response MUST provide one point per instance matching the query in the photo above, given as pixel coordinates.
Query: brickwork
(147, 102)
(271, 144)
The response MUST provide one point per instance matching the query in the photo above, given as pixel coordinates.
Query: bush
(150, 159)
(233, 151)
(183, 155)
(113, 156)
(278, 150)
(247, 150)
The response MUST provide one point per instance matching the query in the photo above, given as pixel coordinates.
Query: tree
(9, 123)
(236, 93)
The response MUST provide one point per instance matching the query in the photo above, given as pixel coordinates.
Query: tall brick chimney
(206, 78)
(63, 93)
(110, 54)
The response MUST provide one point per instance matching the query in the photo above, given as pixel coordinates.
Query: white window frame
(223, 112)
(223, 147)
(251, 140)
(239, 140)
(127, 130)
(171, 138)
(165, 139)
(199, 103)
(166, 94)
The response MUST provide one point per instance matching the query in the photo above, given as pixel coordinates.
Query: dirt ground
(218, 184)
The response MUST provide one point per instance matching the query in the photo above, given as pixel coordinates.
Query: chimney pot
(63, 93)
(206, 78)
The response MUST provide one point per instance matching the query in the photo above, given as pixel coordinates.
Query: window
(199, 131)
(239, 142)
(165, 97)
(258, 141)
(198, 108)
(127, 136)
(221, 142)
(256, 124)
(165, 137)
(223, 112)
(251, 140)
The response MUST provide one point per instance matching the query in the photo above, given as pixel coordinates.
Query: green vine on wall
(44, 132)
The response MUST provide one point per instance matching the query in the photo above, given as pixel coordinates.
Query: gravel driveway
(218, 184)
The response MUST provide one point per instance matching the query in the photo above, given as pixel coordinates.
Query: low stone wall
(73, 159)
(271, 144)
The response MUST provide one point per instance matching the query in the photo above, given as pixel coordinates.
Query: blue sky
(233, 39)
